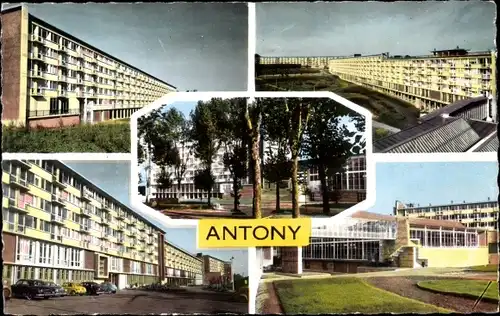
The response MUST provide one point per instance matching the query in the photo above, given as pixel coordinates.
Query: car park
(73, 288)
(92, 288)
(59, 291)
(32, 289)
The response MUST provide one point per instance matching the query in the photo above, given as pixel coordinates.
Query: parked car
(32, 289)
(242, 294)
(7, 292)
(108, 287)
(74, 288)
(92, 288)
(58, 290)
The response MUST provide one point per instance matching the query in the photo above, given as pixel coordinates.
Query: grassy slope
(387, 109)
(471, 287)
(344, 295)
(107, 138)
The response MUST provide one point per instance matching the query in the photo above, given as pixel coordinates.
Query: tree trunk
(324, 189)
(177, 194)
(295, 187)
(209, 197)
(257, 186)
(278, 204)
(235, 193)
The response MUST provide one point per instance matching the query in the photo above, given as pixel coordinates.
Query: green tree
(277, 166)
(205, 133)
(328, 142)
(235, 141)
(253, 119)
(295, 112)
(204, 181)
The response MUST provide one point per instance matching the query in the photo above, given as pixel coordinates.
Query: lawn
(344, 295)
(99, 138)
(487, 268)
(385, 108)
(460, 286)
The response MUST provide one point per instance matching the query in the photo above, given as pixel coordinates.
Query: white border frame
(196, 96)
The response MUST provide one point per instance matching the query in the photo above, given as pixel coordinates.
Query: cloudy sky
(400, 28)
(201, 46)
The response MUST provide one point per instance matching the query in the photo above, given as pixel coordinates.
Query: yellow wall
(454, 257)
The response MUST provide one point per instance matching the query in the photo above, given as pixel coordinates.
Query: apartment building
(216, 269)
(480, 215)
(304, 61)
(223, 179)
(51, 78)
(429, 82)
(58, 226)
(182, 267)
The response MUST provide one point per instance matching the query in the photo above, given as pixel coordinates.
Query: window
(25, 250)
(45, 253)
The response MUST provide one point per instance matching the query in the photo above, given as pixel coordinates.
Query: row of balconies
(140, 80)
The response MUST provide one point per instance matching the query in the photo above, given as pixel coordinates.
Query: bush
(107, 138)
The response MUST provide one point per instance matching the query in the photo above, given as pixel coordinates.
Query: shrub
(108, 138)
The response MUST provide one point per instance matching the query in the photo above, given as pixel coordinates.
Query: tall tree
(177, 132)
(253, 119)
(235, 141)
(146, 128)
(205, 133)
(297, 114)
(328, 142)
(277, 165)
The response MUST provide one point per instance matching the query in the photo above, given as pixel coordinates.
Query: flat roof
(182, 250)
(412, 221)
(444, 205)
(37, 20)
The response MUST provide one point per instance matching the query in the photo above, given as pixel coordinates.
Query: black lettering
(245, 229)
(294, 232)
(255, 232)
(275, 230)
(233, 234)
(212, 233)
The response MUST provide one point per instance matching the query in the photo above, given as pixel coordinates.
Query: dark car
(93, 288)
(59, 291)
(32, 289)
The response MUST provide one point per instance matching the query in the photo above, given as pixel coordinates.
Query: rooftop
(412, 221)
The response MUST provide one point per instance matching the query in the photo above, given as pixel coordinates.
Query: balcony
(150, 241)
(18, 206)
(84, 229)
(104, 249)
(106, 208)
(56, 237)
(120, 215)
(86, 212)
(105, 221)
(21, 163)
(86, 195)
(62, 78)
(57, 219)
(120, 240)
(57, 181)
(19, 183)
(58, 200)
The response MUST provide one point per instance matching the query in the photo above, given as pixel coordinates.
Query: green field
(386, 109)
(344, 295)
(487, 268)
(98, 138)
(472, 288)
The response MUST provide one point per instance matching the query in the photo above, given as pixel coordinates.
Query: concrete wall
(51, 122)
(291, 260)
(454, 257)
(407, 257)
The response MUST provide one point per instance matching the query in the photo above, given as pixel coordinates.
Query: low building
(368, 241)
(216, 270)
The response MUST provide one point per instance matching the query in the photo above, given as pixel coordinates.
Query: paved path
(131, 302)
(406, 286)
(267, 301)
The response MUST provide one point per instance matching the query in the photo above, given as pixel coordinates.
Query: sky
(107, 174)
(347, 28)
(202, 46)
(434, 183)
